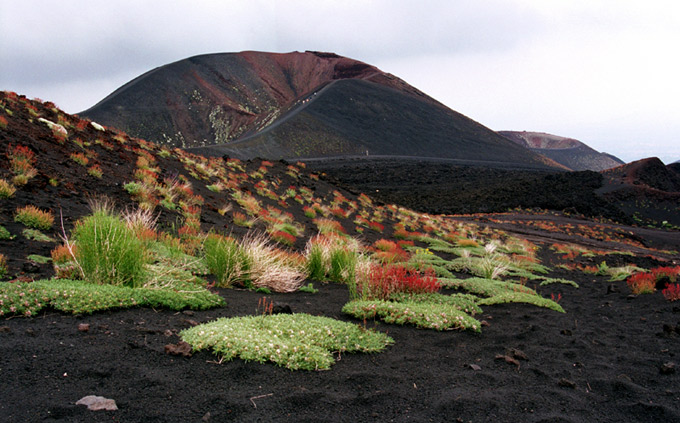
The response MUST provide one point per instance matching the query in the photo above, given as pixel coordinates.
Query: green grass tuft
(108, 251)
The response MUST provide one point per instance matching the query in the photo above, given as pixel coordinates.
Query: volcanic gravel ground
(601, 361)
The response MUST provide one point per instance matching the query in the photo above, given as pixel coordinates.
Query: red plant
(385, 245)
(672, 292)
(641, 283)
(21, 153)
(556, 298)
(338, 212)
(283, 237)
(3, 122)
(376, 226)
(383, 281)
(389, 252)
(669, 272)
(82, 124)
(309, 212)
(401, 233)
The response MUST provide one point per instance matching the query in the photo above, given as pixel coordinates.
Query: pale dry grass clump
(271, 267)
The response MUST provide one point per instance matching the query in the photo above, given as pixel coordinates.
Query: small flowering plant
(294, 341)
(424, 315)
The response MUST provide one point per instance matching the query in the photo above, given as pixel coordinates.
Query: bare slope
(567, 151)
(362, 118)
(214, 98)
(298, 105)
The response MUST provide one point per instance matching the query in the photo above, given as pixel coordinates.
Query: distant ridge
(569, 152)
(307, 105)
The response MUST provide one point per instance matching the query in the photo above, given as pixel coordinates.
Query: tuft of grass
(33, 217)
(293, 341)
(226, 259)
(108, 250)
(7, 190)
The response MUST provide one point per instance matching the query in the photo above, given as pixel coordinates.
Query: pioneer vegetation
(140, 270)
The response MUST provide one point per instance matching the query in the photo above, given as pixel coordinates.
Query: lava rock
(181, 348)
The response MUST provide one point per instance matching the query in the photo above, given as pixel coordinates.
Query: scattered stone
(191, 322)
(181, 348)
(84, 327)
(30, 267)
(282, 309)
(206, 417)
(30, 332)
(5, 329)
(518, 354)
(667, 368)
(566, 383)
(96, 403)
(475, 367)
(484, 323)
(508, 359)
(168, 332)
(188, 313)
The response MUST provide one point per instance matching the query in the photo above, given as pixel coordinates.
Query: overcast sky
(604, 72)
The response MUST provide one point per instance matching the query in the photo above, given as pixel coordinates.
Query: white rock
(97, 126)
(95, 403)
(54, 126)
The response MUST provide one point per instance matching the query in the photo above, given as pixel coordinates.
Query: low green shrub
(463, 302)
(80, 297)
(36, 235)
(420, 314)
(294, 341)
(521, 297)
(485, 287)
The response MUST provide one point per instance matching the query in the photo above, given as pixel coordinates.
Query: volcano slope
(567, 151)
(609, 357)
(298, 105)
(215, 98)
